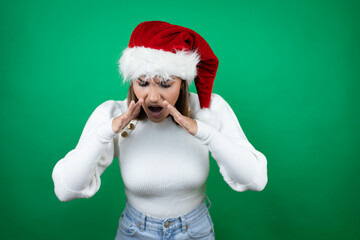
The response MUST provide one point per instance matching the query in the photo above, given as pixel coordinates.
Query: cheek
(173, 95)
(139, 92)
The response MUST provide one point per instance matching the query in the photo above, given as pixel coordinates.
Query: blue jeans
(195, 225)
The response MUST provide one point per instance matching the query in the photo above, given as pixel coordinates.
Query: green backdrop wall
(289, 69)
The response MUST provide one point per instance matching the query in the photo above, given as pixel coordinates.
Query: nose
(154, 94)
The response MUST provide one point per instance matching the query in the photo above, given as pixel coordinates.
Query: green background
(289, 69)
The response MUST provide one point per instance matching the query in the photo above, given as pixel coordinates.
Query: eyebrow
(165, 81)
(161, 81)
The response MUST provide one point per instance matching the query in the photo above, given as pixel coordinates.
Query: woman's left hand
(187, 123)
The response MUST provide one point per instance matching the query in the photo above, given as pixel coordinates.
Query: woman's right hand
(120, 122)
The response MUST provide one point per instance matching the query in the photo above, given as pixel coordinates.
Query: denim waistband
(143, 221)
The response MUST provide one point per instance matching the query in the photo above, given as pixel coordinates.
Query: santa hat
(162, 49)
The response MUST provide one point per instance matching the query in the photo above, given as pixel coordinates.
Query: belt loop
(183, 224)
(143, 217)
(208, 206)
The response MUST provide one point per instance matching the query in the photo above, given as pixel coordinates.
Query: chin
(157, 119)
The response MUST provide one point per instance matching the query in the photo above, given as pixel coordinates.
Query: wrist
(105, 131)
(118, 124)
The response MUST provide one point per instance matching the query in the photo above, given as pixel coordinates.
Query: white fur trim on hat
(148, 62)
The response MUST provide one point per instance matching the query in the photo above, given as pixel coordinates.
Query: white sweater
(163, 167)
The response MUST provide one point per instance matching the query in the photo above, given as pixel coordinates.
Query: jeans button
(166, 224)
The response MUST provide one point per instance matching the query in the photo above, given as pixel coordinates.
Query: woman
(162, 136)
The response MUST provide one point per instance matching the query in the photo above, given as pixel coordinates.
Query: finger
(131, 107)
(178, 117)
(137, 108)
(172, 110)
(139, 103)
(126, 116)
(187, 123)
(135, 113)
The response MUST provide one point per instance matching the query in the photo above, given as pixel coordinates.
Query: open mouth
(155, 111)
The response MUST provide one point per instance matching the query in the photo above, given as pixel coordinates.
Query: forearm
(78, 173)
(237, 156)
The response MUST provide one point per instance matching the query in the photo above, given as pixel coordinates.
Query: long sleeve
(77, 175)
(242, 166)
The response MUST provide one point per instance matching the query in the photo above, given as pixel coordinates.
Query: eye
(142, 83)
(165, 83)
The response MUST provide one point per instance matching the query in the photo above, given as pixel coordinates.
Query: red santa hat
(162, 49)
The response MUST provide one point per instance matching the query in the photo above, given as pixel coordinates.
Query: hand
(187, 123)
(123, 120)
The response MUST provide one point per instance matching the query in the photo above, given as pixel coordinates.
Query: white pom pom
(207, 116)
